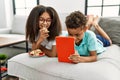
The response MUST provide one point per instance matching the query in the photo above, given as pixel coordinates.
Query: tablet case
(65, 47)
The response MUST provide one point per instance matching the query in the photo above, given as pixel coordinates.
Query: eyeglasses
(42, 20)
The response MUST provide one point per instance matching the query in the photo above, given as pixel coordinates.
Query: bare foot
(90, 19)
(95, 20)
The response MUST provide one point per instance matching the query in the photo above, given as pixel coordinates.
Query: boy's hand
(75, 57)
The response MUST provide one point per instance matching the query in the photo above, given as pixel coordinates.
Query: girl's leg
(89, 21)
(103, 40)
(104, 37)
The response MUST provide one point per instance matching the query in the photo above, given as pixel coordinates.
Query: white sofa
(18, 29)
(45, 68)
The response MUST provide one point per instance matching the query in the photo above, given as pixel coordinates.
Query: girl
(43, 25)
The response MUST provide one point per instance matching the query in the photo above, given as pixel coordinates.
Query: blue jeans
(103, 40)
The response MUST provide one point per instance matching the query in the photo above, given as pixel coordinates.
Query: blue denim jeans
(103, 40)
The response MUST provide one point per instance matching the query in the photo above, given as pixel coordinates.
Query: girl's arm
(42, 36)
(50, 53)
(36, 45)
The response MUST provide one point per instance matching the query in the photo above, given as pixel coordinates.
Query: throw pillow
(112, 28)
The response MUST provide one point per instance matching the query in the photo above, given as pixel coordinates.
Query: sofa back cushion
(112, 27)
(19, 24)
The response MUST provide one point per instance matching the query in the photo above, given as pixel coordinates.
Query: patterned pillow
(112, 28)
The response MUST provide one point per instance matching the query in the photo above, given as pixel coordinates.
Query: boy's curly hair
(76, 19)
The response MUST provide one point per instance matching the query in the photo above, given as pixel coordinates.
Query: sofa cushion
(112, 27)
(47, 68)
(5, 30)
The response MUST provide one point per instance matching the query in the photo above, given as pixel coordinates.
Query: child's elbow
(52, 55)
(94, 59)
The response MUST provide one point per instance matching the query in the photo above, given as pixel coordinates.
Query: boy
(87, 46)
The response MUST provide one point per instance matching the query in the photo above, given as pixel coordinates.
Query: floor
(10, 52)
(10, 78)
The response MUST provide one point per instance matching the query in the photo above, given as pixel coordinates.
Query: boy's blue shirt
(89, 43)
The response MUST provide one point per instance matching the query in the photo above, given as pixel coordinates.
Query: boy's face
(77, 33)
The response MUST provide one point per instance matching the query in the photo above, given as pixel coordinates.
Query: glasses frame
(42, 20)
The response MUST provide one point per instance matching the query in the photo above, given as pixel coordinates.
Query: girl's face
(77, 33)
(44, 20)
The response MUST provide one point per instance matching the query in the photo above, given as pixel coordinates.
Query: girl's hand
(43, 34)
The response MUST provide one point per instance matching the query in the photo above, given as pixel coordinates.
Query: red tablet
(65, 47)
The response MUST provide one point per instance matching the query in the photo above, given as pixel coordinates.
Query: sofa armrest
(5, 30)
(19, 24)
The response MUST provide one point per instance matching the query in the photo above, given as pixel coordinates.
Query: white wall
(9, 12)
(2, 14)
(65, 6)
(6, 13)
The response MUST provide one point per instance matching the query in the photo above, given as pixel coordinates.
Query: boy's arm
(76, 58)
(91, 58)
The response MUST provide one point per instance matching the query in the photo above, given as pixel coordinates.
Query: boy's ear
(85, 28)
